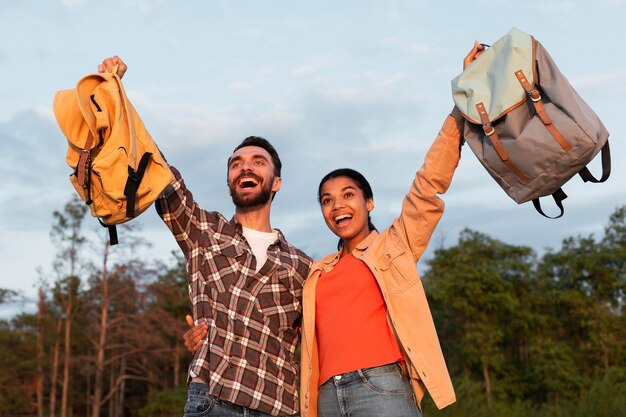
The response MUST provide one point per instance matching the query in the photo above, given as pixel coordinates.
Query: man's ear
(276, 184)
(228, 188)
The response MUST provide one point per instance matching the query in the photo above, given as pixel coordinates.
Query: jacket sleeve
(422, 208)
(180, 213)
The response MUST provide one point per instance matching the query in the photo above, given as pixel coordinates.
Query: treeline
(521, 334)
(106, 337)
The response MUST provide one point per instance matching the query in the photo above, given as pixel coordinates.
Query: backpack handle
(558, 196)
(586, 175)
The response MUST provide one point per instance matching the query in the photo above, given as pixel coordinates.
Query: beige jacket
(392, 256)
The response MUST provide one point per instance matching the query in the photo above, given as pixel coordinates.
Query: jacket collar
(329, 261)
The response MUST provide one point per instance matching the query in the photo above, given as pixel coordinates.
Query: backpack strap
(490, 131)
(112, 232)
(132, 183)
(586, 175)
(558, 196)
(84, 162)
(535, 98)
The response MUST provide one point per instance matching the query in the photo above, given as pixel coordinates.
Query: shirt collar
(281, 241)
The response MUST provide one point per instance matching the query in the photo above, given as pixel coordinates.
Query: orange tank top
(351, 321)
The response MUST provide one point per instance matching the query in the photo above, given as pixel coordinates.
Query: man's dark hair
(262, 143)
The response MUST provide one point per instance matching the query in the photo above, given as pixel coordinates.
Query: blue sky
(363, 84)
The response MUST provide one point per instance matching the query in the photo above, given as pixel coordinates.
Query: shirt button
(338, 378)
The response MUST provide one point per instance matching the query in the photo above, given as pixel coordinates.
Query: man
(245, 285)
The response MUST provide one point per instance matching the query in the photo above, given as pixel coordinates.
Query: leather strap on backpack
(586, 175)
(558, 196)
(490, 131)
(535, 98)
(84, 162)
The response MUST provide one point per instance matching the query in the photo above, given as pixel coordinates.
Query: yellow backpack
(117, 168)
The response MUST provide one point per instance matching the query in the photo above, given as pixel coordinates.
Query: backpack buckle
(534, 95)
(488, 132)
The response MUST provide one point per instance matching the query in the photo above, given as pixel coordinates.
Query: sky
(363, 84)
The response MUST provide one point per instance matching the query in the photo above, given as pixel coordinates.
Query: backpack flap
(491, 79)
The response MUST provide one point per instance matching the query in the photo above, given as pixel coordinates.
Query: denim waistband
(349, 377)
(198, 388)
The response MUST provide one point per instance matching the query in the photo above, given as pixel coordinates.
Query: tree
(476, 289)
(67, 235)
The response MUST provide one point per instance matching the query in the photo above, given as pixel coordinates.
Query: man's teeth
(248, 182)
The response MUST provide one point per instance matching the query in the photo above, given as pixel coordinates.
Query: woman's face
(345, 210)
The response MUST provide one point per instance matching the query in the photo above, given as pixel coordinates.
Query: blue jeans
(378, 391)
(201, 404)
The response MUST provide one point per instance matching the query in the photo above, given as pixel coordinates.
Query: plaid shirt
(253, 317)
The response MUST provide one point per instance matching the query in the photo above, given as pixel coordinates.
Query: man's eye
(258, 163)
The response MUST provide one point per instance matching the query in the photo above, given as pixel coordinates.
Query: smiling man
(245, 286)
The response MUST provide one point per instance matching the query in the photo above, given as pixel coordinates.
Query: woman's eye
(325, 201)
(348, 195)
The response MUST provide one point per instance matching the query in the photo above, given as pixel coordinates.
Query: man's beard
(253, 200)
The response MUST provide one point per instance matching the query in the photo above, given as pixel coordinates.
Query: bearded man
(245, 287)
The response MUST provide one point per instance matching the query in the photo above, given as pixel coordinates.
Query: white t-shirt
(259, 242)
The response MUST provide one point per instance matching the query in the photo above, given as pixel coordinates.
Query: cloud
(611, 79)
(407, 45)
(33, 169)
(320, 64)
(73, 3)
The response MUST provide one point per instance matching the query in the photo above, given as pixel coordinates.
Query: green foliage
(7, 295)
(476, 290)
(165, 403)
(17, 361)
(606, 396)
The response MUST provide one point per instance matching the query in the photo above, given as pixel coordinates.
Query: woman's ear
(370, 204)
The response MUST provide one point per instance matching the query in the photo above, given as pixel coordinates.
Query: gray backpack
(525, 123)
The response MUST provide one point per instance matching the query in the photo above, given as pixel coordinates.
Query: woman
(369, 344)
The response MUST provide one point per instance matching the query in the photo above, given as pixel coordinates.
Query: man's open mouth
(248, 181)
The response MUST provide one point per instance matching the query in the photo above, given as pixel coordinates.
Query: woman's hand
(194, 336)
(476, 51)
(108, 64)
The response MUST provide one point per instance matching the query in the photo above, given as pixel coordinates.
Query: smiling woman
(369, 342)
(346, 189)
(369, 294)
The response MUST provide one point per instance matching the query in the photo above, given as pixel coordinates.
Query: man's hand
(476, 51)
(194, 336)
(110, 63)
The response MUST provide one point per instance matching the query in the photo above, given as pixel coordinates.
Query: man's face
(251, 180)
